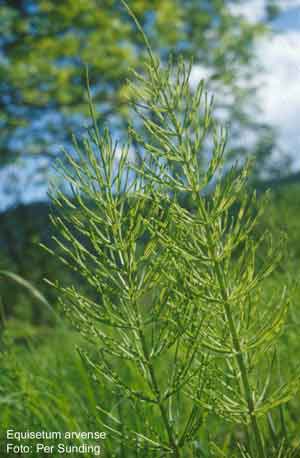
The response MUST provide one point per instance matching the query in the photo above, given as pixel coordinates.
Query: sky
(279, 84)
(278, 94)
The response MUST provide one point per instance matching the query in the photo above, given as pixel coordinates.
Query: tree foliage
(46, 43)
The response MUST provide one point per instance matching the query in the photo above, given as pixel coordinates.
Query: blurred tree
(43, 48)
(45, 44)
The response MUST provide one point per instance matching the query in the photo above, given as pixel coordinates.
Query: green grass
(45, 386)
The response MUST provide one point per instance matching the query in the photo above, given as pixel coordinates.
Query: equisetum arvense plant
(176, 314)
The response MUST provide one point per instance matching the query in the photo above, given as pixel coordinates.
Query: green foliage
(178, 319)
(21, 230)
(45, 385)
(31, 394)
(45, 44)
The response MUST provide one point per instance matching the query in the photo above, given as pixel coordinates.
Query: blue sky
(278, 96)
(279, 54)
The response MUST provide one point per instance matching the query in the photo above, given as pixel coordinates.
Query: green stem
(245, 380)
(235, 339)
(155, 387)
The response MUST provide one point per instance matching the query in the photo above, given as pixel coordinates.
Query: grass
(46, 386)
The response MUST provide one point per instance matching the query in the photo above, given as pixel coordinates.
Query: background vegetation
(44, 47)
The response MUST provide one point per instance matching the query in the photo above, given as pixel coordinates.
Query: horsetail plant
(176, 314)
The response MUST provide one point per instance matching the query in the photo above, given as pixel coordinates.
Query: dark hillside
(25, 226)
(21, 230)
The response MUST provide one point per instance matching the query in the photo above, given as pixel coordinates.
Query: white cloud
(279, 85)
(280, 88)
(253, 10)
(198, 73)
(287, 4)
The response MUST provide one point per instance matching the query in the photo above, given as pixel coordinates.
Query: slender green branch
(235, 340)
(157, 392)
(165, 275)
